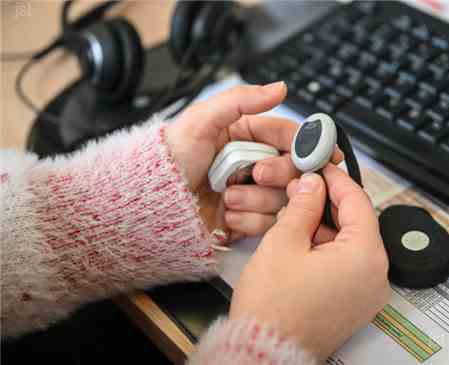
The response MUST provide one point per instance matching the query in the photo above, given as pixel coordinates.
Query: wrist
(301, 335)
(245, 340)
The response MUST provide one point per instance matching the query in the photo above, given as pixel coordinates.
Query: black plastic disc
(417, 247)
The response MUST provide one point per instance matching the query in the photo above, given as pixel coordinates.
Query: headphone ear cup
(131, 53)
(99, 55)
(112, 58)
(207, 26)
(213, 24)
(183, 17)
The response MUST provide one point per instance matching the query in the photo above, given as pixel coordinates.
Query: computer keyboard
(382, 70)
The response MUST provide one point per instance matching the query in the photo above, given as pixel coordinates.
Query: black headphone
(110, 55)
(110, 52)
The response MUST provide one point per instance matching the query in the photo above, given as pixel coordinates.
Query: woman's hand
(315, 285)
(201, 132)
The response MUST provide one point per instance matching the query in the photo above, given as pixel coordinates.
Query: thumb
(302, 216)
(223, 109)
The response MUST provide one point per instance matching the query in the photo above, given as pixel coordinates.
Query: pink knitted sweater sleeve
(246, 342)
(114, 217)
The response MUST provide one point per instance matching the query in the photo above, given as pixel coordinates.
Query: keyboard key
(296, 76)
(308, 38)
(367, 26)
(372, 100)
(412, 119)
(360, 39)
(405, 42)
(409, 76)
(377, 48)
(352, 86)
(444, 144)
(267, 74)
(439, 112)
(440, 42)
(444, 95)
(310, 91)
(421, 32)
(424, 74)
(373, 82)
(385, 33)
(432, 85)
(336, 70)
(305, 95)
(442, 61)
(314, 87)
(292, 86)
(400, 88)
(347, 51)
(331, 102)
(390, 108)
(366, 62)
(433, 131)
(403, 22)
(287, 62)
(327, 80)
(385, 71)
(421, 98)
(442, 105)
(328, 33)
(426, 51)
(307, 69)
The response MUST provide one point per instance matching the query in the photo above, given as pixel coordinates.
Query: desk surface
(29, 25)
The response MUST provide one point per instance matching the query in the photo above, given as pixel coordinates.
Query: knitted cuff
(116, 216)
(244, 341)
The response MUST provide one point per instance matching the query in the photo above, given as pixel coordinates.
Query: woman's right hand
(317, 287)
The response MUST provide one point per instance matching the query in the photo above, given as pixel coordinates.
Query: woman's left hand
(203, 129)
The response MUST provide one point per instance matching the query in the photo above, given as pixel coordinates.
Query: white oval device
(235, 157)
(314, 143)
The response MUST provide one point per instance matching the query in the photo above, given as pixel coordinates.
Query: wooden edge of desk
(157, 326)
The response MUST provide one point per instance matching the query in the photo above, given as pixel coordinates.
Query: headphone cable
(24, 98)
(166, 95)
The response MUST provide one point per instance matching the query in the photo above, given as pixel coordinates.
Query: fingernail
(219, 236)
(263, 174)
(274, 86)
(308, 183)
(232, 196)
(231, 218)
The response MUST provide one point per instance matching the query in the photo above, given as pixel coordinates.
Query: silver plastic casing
(234, 157)
(322, 152)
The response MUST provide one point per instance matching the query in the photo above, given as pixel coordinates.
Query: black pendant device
(417, 247)
(312, 149)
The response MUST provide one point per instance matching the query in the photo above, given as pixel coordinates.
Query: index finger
(356, 215)
(274, 131)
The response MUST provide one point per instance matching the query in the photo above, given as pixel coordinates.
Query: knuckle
(305, 202)
(261, 199)
(261, 224)
(235, 91)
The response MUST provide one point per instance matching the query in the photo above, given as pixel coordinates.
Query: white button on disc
(415, 240)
